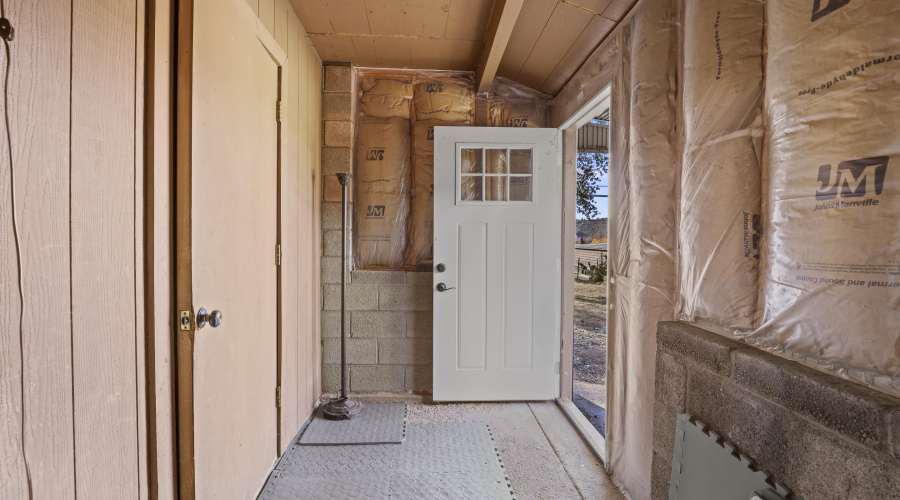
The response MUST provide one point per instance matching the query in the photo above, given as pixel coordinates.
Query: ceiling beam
(503, 19)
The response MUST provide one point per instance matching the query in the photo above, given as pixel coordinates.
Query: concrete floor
(544, 455)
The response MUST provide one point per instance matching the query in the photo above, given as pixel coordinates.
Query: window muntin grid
(489, 174)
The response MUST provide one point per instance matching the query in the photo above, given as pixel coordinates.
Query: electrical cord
(7, 33)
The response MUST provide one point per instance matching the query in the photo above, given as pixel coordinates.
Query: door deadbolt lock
(213, 319)
(440, 268)
(443, 288)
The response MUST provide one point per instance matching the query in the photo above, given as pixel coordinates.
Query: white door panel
(497, 218)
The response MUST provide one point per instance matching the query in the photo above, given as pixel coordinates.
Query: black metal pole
(342, 407)
(345, 181)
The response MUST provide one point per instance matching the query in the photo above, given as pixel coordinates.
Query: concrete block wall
(389, 342)
(819, 435)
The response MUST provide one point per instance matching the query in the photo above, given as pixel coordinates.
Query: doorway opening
(590, 273)
(586, 254)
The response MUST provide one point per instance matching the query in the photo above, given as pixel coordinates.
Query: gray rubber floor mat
(706, 466)
(448, 460)
(379, 423)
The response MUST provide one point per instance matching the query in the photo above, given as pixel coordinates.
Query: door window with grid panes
(494, 174)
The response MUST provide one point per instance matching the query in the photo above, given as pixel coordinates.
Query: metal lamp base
(342, 409)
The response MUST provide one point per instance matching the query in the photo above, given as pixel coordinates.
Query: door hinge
(278, 254)
(278, 111)
(278, 397)
(184, 320)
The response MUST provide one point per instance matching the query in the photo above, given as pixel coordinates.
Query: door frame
(568, 131)
(183, 383)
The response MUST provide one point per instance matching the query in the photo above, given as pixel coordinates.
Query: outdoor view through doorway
(590, 273)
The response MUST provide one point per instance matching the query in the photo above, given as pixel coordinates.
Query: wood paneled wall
(72, 419)
(301, 96)
(96, 236)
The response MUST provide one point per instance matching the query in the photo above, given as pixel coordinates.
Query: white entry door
(496, 264)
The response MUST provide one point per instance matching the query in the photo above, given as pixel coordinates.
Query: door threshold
(591, 435)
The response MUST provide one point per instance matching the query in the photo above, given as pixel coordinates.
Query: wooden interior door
(497, 268)
(227, 375)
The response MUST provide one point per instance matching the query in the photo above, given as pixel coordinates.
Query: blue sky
(603, 203)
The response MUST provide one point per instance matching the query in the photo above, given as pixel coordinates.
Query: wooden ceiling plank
(532, 20)
(561, 32)
(504, 15)
(325, 46)
(365, 50)
(313, 17)
(392, 52)
(333, 16)
(349, 17)
(618, 9)
(408, 17)
(468, 19)
(593, 35)
(594, 6)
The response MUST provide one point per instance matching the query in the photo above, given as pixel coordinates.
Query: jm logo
(830, 6)
(852, 179)
(375, 154)
(519, 122)
(375, 211)
(434, 87)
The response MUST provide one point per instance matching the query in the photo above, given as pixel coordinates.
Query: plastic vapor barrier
(423, 193)
(510, 104)
(643, 187)
(397, 109)
(382, 191)
(832, 276)
(720, 220)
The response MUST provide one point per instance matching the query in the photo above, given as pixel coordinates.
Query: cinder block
(331, 324)
(758, 428)
(660, 476)
(338, 133)
(417, 278)
(332, 244)
(700, 346)
(670, 397)
(331, 270)
(377, 378)
(419, 324)
(336, 106)
(331, 378)
(419, 379)
(331, 188)
(850, 409)
(338, 78)
(379, 277)
(404, 352)
(404, 298)
(359, 351)
(826, 465)
(375, 324)
(331, 216)
(359, 297)
(336, 161)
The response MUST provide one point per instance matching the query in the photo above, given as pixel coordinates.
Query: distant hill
(589, 228)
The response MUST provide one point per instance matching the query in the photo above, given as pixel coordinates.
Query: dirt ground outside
(590, 352)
